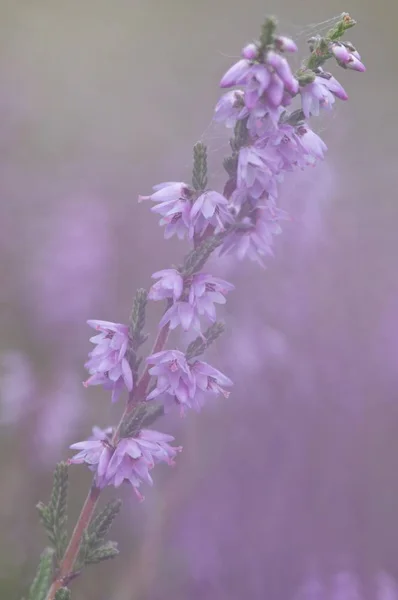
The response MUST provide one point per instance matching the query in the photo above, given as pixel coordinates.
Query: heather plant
(267, 107)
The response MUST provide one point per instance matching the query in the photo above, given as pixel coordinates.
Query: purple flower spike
(96, 452)
(170, 285)
(206, 290)
(211, 208)
(107, 363)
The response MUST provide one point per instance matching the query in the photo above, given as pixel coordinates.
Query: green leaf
(54, 515)
(42, 580)
(104, 552)
(267, 33)
(63, 594)
(346, 22)
(230, 164)
(199, 345)
(137, 318)
(199, 173)
(154, 411)
(102, 522)
(93, 539)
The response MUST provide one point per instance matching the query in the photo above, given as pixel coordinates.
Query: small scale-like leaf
(199, 172)
(93, 538)
(267, 33)
(200, 344)
(54, 515)
(63, 594)
(42, 580)
(154, 411)
(137, 318)
(102, 522)
(104, 552)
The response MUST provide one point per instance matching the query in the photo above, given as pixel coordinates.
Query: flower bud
(250, 52)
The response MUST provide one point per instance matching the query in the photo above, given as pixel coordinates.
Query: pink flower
(285, 44)
(230, 108)
(320, 94)
(347, 56)
(129, 462)
(211, 208)
(174, 207)
(204, 291)
(174, 378)
(209, 379)
(181, 383)
(236, 74)
(181, 313)
(135, 457)
(170, 285)
(255, 239)
(96, 452)
(108, 364)
(314, 146)
(257, 170)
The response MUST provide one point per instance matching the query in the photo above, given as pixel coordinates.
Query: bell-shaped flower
(170, 284)
(107, 363)
(211, 208)
(96, 452)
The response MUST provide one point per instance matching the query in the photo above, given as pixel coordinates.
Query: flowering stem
(66, 566)
(86, 514)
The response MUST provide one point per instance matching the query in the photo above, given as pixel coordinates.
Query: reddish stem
(66, 566)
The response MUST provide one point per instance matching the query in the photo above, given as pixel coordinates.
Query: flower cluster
(269, 141)
(129, 461)
(186, 212)
(191, 297)
(182, 383)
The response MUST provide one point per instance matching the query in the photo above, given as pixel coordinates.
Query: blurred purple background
(288, 490)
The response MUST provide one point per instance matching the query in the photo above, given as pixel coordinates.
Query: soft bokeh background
(288, 490)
